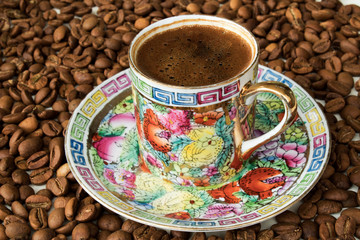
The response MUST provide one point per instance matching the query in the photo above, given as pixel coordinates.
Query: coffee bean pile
(53, 52)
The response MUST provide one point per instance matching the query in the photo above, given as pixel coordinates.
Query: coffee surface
(194, 55)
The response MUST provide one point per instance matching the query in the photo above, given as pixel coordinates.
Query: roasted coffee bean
(57, 153)
(120, 234)
(328, 207)
(335, 105)
(38, 201)
(38, 218)
(309, 230)
(345, 225)
(288, 217)
(144, 232)
(81, 231)
(85, 213)
(19, 210)
(109, 222)
(59, 186)
(9, 192)
(56, 218)
(327, 230)
(30, 146)
(38, 160)
(130, 225)
(307, 210)
(336, 195)
(44, 234)
(17, 230)
(41, 175)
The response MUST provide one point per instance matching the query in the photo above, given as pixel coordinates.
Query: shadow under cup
(191, 135)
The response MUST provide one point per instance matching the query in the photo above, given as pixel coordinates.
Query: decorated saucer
(102, 151)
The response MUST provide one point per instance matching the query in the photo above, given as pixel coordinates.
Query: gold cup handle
(284, 93)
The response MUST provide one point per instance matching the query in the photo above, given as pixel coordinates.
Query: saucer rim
(171, 226)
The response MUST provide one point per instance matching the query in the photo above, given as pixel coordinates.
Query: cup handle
(284, 93)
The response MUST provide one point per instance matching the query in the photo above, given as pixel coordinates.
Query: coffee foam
(194, 55)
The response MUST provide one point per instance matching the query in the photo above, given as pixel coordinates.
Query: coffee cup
(194, 84)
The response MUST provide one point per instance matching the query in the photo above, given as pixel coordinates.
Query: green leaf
(180, 142)
(130, 151)
(158, 155)
(226, 152)
(222, 129)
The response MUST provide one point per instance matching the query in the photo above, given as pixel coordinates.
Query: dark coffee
(194, 55)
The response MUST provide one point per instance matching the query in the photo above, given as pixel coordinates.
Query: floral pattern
(136, 178)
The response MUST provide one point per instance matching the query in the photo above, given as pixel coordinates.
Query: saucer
(102, 151)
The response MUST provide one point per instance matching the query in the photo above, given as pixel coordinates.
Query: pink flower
(292, 153)
(128, 194)
(125, 178)
(222, 210)
(288, 183)
(232, 113)
(210, 171)
(109, 175)
(183, 182)
(153, 161)
(176, 121)
(173, 157)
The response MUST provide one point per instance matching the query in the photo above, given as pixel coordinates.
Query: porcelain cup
(200, 136)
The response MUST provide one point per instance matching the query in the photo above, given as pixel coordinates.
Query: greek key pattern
(316, 122)
(149, 216)
(92, 104)
(184, 99)
(80, 124)
(77, 152)
(271, 75)
(281, 201)
(108, 197)
(114, 85)
(89, 178)
(303, 101)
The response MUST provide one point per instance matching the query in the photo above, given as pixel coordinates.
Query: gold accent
(284, 93)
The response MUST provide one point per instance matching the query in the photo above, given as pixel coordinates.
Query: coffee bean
(44, 234)
(119, 235)
(130, 225)
(67, 228)
(59, 186)
(335, 105)
(328, 207)
(19, 210)
(57, 153)
(56, 218)
(336, 195)
(17, 230)
(345, 225)
(144, 232)
(37, 160)
(109, 222)
(288, 217)
(38, 201)
(9, 192)
(85, 213)
(326, 230)
(309, 230)
(41, 175)
(81, 231)
(307, 210)
(38, 218)
(30, 146)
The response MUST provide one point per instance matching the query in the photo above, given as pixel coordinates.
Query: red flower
(179, 215)
(202, 183)
(208, 118)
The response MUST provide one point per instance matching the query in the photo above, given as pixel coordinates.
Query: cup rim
(135, 44)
